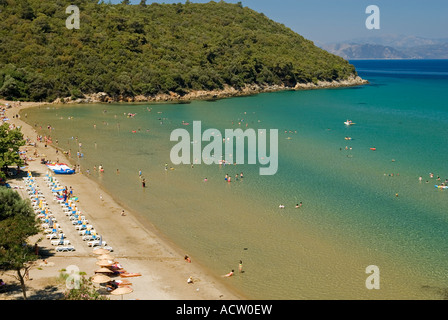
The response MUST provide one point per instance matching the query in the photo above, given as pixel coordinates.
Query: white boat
(60, 168)
(349, 123)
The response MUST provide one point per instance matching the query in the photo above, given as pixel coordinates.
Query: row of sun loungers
(51, 228)
(69, 206)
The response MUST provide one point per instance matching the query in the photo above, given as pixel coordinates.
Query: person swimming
(229, 274)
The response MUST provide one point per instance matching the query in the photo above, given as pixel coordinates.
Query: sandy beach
(137, 245)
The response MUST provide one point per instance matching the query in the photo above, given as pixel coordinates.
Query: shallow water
(351, 216)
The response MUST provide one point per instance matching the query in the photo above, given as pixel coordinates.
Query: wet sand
(137, 244)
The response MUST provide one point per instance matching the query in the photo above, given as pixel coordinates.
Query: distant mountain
(365, 51)
(433, 51)
(390, 47)
(398, 41)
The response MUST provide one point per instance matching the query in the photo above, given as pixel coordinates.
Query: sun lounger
(83, 227)
(49, 230)
(108, 248)
(90, 237)
(65, 248)
(85, 232)
(79, 222)
(52, 236)
(94, 243)
(129, 275)
(64, 242)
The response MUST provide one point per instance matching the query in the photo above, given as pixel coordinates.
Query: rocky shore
(227, 92)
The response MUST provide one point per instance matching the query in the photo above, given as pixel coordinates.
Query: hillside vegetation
(130, 50)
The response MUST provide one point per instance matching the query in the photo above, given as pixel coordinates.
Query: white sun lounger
(52, 236)
(64, 242)
(83, 232)
(65, 248)
(89, 237)
(94, 243)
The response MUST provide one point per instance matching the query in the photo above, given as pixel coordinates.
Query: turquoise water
(351, 216)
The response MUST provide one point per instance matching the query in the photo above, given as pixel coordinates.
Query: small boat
(60, 168)
(348, 138)
(349, 123)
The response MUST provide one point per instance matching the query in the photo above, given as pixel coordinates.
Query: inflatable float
(60, 168)
(441, 187)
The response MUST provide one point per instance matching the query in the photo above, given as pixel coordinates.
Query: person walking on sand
(144, 183)
(240, 267)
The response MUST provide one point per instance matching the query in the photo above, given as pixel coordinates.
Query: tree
(10, 88)
(10, 142)
(17, 222)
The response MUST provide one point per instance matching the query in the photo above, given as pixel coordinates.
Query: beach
(351, 218)
(137, 245)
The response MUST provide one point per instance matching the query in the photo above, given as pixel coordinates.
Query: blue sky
(325, 21)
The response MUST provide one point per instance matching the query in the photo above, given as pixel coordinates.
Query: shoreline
(139, 246)
(227, 92)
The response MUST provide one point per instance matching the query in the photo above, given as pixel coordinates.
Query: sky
(327, 21)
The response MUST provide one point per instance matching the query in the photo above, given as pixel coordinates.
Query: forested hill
(148, 49)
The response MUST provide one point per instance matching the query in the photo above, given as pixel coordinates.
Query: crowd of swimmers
(431, 176)
(228, 178)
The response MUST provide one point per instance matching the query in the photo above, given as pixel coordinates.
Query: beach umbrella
(104, 263)
(100, 278)
(104, 270)
(121, 291)
(106, 257)
(100, 251)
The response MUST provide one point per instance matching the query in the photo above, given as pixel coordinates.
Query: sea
(372, 224)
